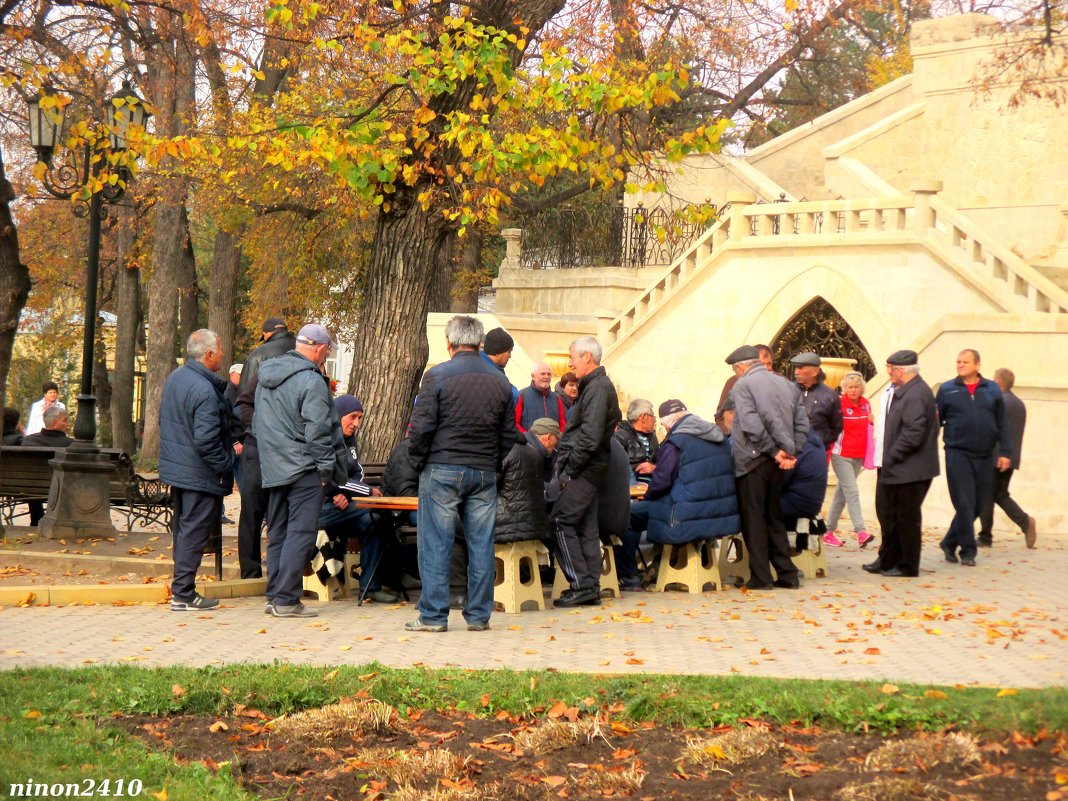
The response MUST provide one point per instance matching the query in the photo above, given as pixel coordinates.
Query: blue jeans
(447, 493)
(353, 522)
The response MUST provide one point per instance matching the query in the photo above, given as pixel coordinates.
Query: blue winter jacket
(804, 486)
(195, 448)
(975, 424)
(701, 503)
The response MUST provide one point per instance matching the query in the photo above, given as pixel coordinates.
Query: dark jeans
(359, 523)
(899, 509)
(574, 518)
(1001, 497)
(254, 500)
(971, 485)
(448, 493)
(195, 516)
(760, 505)
(37, 511)
(293, 512)
(627, 553)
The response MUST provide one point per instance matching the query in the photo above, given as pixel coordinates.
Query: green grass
(70, 739)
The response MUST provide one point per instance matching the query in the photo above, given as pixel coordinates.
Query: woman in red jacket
(847, 460)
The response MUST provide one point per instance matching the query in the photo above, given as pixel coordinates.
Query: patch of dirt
(455, 756)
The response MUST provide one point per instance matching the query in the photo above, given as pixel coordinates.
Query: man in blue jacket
(299, 434)
(462, 427)
(196, 459)
(977, 439)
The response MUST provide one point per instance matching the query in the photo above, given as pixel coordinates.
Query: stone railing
(1001, 275)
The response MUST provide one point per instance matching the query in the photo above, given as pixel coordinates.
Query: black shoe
(873, 567)
(897, 572)
(757, 585)
(588, 596)
(226, 520)
(968, 562)
(985, 541)
(787, 584)
(457, 602)
(950, 556)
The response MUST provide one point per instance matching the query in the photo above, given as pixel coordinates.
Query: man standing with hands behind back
(977, 440)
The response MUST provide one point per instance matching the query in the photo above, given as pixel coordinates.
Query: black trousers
(253, 510)
(196, 515)
(574, 518)
(1001, 497)
(294, 514)
(760, 505)
(971, 484)
(899, 509)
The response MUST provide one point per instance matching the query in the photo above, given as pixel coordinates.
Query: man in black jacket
(823, 404)
(909, 462)
(975, 433)
(277, 339)
(1016, 413)
(462, 427)
(637, 435)
(53, 435)
(581, 461)
(521, 511)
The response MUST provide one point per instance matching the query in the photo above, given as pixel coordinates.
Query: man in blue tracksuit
(977, 440)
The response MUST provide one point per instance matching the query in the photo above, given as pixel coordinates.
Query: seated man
(341, 520)
(691, 495)
(521, 512)
(803, 488)
(53, 435)
(637, 434)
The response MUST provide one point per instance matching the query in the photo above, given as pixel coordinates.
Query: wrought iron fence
(609, 236)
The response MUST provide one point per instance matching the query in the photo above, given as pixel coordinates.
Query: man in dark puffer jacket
(521, 513)
(195, 459)
(581, 461)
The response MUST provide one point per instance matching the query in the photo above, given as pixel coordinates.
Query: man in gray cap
(769, 431)
(299, 432)
(822, 403)
(909, 462)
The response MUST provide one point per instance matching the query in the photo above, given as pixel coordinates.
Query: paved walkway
(1001, 623)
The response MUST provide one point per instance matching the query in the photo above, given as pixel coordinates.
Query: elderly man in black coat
(909, 462)
(196, 459)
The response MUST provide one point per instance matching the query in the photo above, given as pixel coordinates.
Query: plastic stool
(510, 592)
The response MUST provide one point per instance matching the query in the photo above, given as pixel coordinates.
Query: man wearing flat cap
(822, 403)
(521, 513)
(909, 460)
(978, 443)
(299, 431)
(277, 339)
(769, 431)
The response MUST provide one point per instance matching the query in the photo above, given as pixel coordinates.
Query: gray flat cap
(745, 353)
(806, 359)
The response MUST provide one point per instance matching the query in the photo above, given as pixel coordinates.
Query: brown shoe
(1031, 532)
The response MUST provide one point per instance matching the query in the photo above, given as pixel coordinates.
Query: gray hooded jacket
(296, 424)
(768, 417)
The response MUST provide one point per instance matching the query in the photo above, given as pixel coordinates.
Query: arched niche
(819, 327)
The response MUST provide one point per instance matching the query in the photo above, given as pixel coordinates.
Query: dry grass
(889, 789)
(731, 748)
(552, 735)
(402, 766)
(925, 752)
(613, 781)
(345, 718)
(407, 792)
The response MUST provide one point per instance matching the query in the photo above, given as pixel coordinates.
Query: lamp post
(79, 499)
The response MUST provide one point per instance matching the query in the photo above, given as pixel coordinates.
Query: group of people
(491, 463)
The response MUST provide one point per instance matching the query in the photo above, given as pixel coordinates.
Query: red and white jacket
(852, 443)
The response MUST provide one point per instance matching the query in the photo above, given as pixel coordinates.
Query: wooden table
(399, 503)
(637, 491)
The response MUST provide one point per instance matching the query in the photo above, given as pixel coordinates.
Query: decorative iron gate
(606, 236)
(818, 327)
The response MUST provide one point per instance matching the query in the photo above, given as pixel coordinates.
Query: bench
(26, 475)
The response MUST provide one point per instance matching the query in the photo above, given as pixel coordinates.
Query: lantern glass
(46, 123)
(125, 110)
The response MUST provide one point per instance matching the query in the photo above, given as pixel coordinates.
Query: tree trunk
(396, 299)
(14, 279)
(222, 302)
(128, 311)
(189, 289)
(102, 389)
(465, 291)
(441, 279)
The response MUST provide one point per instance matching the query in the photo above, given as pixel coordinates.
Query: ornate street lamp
(79, 500)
